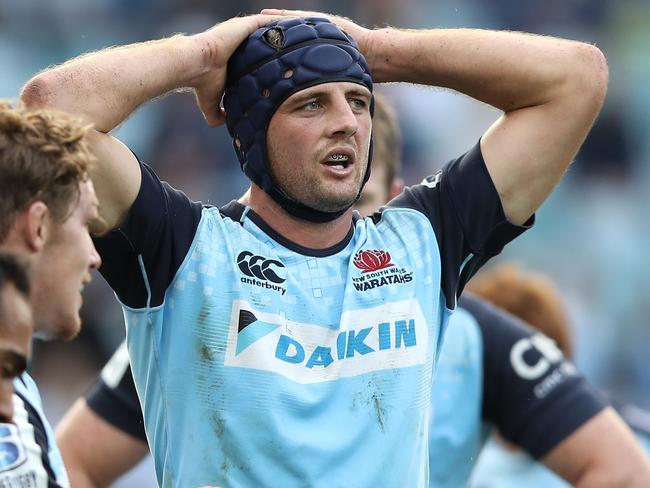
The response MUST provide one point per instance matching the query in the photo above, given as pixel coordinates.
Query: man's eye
(313, 105)
(358, 103)
(7, 371)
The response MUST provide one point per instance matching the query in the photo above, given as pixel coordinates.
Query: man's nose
(95, 259)
(344, 120)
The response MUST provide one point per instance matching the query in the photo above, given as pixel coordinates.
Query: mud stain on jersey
(379, 409)
(204, 314)
(218, 425)
(205, 352)
(219, 428)
(374, 401)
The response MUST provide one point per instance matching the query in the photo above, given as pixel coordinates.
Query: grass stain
(207, 354)
(379, 411)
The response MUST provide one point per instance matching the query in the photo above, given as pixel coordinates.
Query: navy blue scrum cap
(273, 63)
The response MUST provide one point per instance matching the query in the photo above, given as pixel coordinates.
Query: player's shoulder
(28, 449)
(493, 320)
(26, 388)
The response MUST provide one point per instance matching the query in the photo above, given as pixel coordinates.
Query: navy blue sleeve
(467, 216)
(149, 247)
(118, 404)
(531, 393)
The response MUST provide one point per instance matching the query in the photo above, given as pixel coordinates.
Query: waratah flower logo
(372, 260)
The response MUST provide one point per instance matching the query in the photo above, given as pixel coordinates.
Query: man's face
(64, 268)
(16, 327)
(318, 142)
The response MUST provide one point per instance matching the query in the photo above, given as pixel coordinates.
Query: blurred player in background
(244, 322)
(601, 452)
(47, 202)
(16, 327)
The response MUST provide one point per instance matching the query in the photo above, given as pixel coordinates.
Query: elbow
(591, 76)
(618, 480)
(36, 93)
(620, 476)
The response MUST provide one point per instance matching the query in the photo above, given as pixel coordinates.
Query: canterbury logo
(261, 268)
(372, 260)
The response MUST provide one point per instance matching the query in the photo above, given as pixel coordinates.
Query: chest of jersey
(256, 304)
(279, 361)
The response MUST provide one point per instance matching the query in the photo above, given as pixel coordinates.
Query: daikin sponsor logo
(377, 270)
(393, 335)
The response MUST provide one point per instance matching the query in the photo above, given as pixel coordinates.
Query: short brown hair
(43, 156)
(530, 296)
(386, 138)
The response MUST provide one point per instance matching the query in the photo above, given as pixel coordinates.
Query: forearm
(95, 452)
(105, 87)
(601, 453)
(549, 89)
(508, 70)
(613, 478)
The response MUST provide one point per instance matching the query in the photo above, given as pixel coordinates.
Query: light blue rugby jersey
(29, 456)
(457, 431)
(497, 372)
(262, 363)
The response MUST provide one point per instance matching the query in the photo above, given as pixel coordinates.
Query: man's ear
(36, 226)
(396, 188)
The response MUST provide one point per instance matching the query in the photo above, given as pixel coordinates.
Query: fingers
(210, 107)
(262, 19)
(219, 43)
(235, 30)
(293, 13)
(359, 33)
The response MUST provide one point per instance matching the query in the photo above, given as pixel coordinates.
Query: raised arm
(549, 89)
(105, 87)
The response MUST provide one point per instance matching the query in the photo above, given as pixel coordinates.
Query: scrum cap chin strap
(272, 64)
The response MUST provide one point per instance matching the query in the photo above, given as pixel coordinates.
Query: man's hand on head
(360, 34)
(217, 45)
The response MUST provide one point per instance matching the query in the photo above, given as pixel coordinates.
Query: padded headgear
(272, 64)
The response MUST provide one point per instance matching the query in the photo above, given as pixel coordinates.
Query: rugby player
(16, 327)
(259, 333)
(602, 448)
(103, 435)
(47, 204)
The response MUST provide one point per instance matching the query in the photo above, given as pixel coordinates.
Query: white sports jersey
(29, 456)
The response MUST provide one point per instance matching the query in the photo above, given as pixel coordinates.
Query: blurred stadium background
(591, 235)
